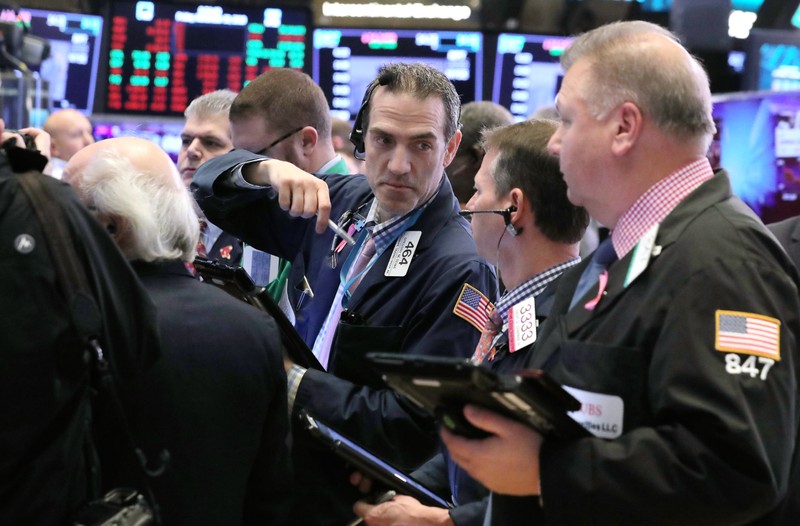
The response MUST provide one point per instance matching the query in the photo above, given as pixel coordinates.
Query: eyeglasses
(279, 140)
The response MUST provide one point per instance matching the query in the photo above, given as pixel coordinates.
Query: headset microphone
(505, 212)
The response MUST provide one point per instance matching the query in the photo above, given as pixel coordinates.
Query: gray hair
(159, 210)
(674, 94)
(478, 116)
(212, 103)
(421, 81)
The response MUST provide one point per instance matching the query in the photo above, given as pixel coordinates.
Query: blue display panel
(72, 67)
(527, 73)
(161, 55)
(346, 60)
(773, 60)
(758, 142)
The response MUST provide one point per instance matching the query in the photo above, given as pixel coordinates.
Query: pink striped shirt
(656, 204)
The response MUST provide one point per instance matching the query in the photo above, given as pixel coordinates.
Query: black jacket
(707, 434)
(44, 376)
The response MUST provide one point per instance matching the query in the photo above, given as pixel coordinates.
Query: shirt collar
(329, 166)
(531, 287)
(656, 204)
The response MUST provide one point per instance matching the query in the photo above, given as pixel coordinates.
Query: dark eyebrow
(418, 137)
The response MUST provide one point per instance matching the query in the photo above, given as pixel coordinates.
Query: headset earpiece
(357, 133)
(514, 231)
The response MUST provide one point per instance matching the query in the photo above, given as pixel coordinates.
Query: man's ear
(309, 138)
(452, 148)
(117, 227)
(628, 120)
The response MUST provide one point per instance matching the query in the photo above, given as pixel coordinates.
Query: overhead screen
(758, 143)
(162, 55)
(72, 67)
(773, 60)
(527, 73)
(346, 60)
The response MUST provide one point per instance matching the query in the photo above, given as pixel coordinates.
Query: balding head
(69, 131)
(634, 61)
(136, 192)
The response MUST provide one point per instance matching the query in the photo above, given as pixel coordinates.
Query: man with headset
(413, 282)
(516, 175)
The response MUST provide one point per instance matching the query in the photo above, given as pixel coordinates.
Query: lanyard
(351, 258)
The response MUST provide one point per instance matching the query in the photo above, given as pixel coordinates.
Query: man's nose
(399, 161)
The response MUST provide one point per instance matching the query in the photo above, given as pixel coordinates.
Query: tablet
(442, 386)
(237, 282)
(369, 464)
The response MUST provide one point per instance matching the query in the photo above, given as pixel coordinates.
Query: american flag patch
(472, 306)
(744, 332)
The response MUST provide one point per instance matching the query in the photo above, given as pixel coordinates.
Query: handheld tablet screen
(370, 464)
(442, 386)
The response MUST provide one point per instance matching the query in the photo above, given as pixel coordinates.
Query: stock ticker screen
(345, 60)
(161, 55)
(527, 72)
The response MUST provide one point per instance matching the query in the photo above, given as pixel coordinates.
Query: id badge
(522, 325)
(402, 254)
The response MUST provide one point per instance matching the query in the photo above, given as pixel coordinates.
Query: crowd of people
(678, 335)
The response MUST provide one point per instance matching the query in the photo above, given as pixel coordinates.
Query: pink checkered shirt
(656, 204)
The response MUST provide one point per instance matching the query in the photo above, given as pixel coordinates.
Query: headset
(357, 133)
(506, 213)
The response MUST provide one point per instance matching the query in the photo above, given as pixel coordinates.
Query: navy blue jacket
(393, 314)
(440, 473)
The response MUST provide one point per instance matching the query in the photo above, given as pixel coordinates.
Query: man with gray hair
(206, 132)
(217, 398)
(679, 336)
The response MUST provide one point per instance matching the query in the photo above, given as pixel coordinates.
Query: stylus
(385, 497)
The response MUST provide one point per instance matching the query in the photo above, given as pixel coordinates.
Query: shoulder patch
(473, 306)
(748, 333)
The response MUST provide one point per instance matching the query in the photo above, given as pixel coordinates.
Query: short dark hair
(421, 81)
(287, 98)
(523, 162)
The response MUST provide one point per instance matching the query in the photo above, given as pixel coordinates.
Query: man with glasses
(284, 115)
(412, 283)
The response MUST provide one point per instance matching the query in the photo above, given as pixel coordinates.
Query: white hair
(158, 208)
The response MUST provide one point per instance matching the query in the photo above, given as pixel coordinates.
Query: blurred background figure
(340, 135)
(475, 118)
(219, 390)
(69, 131)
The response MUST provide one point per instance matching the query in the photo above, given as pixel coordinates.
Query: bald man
(679, 336)
(217, 398)
(69, 131)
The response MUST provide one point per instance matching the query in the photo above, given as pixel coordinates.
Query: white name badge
(403, 253)
(641, 254)
(522, 325)
(600, 414)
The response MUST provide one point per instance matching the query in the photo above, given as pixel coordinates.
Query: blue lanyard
(351, 258)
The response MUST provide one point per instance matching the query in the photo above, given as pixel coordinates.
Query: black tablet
(442, 386)
(369, 464)
(237, 282)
